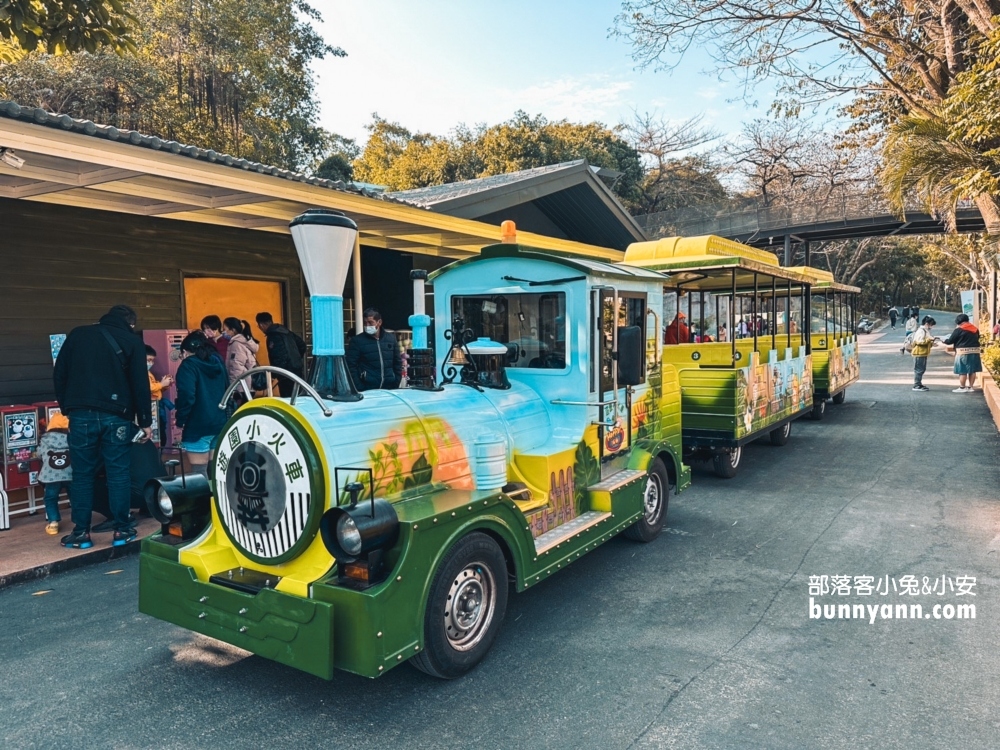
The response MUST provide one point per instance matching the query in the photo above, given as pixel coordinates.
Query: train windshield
(532, 325)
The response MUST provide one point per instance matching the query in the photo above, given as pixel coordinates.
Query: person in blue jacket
(201, 384)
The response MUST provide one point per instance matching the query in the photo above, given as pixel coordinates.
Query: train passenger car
(834, 341)
(733, 319)
(350, 531)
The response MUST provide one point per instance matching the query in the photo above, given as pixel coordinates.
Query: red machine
(46, 410)
(168, 358)
(20, 447)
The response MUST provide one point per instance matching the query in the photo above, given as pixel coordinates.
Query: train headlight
(181, 504)
(348, 536)
(357, 535)
(163, 500)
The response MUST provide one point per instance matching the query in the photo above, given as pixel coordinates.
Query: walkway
(701, 639)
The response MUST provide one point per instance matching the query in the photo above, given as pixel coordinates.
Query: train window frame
(635, 306)
(514, 308)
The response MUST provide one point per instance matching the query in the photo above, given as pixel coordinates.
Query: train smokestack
(324, 241)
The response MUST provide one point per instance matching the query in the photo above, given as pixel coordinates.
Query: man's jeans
(94, 435)
(919, 368)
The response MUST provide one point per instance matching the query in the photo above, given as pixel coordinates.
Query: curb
(992, 394)
(104, 554)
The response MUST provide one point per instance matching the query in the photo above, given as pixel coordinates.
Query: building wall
(63, 267)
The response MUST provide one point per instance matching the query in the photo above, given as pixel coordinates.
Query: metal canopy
(570, 195)
(77, 163)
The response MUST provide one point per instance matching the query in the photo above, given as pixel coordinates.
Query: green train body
(359, 532)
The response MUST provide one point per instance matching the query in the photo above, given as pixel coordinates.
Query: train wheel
(780, 435)
(819, 409)
(838, 398)
(726, 461)
(655, 497)
(467, 602)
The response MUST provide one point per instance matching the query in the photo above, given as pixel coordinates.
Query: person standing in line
(243, 348)
(965, 340)
(201, 384)
(102, 384)
(892, 317)
(923, 342)
(211, 326)
(373, 357)
(56, 471)
(285, 349)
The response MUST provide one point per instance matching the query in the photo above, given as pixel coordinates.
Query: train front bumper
(286, 628)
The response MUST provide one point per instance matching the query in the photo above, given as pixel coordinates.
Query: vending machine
(46, 410)
(20, 449)
(167, 344)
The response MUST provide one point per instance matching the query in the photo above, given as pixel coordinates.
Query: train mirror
(631, 356)
(182, 504)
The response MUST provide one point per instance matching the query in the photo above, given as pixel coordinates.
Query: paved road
(700, 640)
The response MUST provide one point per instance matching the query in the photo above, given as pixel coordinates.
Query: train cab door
(616, 314)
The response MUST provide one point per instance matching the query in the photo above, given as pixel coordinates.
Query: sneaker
(921, 388)
(77, 541)
(121, 538)
(109, 525)
(960, 390)
(52, 528)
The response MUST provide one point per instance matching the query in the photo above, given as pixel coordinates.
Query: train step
(617, 480)
(560, 534)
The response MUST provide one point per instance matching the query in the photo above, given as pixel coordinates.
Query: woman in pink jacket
(242, 354)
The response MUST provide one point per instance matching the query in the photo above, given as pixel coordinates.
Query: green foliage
(58, 26)
(230, 75)
(339, 164)
(586, 471)
(401, 160)
(991, 360)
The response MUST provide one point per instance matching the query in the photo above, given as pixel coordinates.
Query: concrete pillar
(788, 250)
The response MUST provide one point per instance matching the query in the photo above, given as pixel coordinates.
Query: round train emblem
(262, 485)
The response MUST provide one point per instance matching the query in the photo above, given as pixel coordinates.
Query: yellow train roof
(683, 250)
(823, 279)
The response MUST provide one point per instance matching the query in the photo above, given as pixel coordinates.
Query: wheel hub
(651, 499)
(470, 605)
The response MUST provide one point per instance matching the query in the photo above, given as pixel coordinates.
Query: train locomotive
(339, 530)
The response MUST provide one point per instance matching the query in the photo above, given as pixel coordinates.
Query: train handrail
(299, 383)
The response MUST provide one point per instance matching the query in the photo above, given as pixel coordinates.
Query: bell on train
(488, 368)
(324, 241)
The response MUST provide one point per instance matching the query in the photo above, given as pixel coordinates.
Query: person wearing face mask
(373, 357)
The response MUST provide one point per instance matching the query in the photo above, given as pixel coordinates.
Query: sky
(433, 64)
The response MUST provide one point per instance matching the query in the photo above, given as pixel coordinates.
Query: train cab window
(532, 325)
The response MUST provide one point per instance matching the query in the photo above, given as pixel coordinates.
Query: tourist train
(543, 415)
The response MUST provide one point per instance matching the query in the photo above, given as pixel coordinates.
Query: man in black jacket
(102, 386)
(373, 357)
(285, 349)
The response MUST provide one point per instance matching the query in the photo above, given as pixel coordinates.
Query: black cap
(325, 217)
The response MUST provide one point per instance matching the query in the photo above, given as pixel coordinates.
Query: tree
(58, 26)
(230, 75)
(402, 160)
(339, 164)
(675, 178)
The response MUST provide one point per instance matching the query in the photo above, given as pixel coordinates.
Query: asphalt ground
(701, 639)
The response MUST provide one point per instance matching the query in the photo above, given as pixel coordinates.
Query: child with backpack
(921, 345)
(56, 471)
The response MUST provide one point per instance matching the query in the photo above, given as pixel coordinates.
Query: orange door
(236, 298)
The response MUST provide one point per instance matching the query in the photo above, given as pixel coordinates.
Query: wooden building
(97, 216)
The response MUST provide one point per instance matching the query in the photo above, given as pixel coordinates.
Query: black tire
(819, 409)
(473, 577)
(780, 435)
(838, 398)
(655, 498)
(727, 461)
